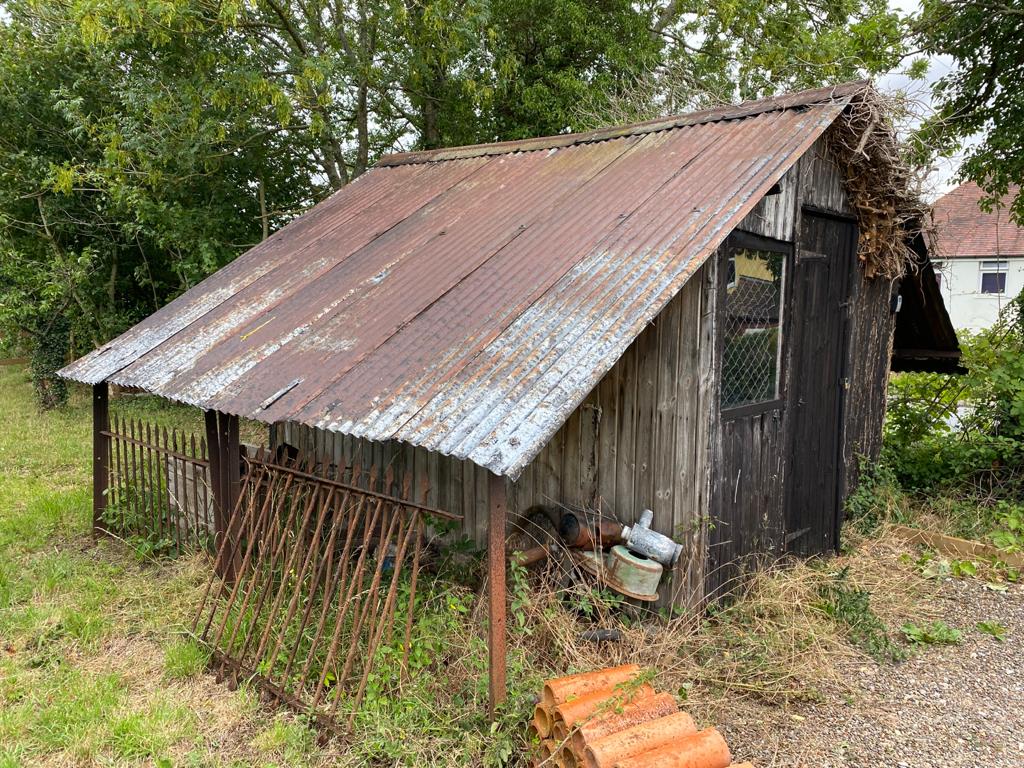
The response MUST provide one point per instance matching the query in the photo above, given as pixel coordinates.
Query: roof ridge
(794, 100)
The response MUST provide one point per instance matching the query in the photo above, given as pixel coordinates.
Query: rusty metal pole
(496, 639)
(100, 453)
(225, 466)
(231, 469)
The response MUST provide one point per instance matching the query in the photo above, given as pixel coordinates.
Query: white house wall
(968, 307)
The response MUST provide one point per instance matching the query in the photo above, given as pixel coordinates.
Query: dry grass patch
(790, 635)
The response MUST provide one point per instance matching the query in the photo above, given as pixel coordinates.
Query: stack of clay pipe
(610, 719)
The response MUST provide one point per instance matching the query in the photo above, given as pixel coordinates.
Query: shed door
(818, 331)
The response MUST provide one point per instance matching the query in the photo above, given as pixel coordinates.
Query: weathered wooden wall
(871, 332)
(639, 440)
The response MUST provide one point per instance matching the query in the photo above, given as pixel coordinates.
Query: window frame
(740, 240)
(1002, 267)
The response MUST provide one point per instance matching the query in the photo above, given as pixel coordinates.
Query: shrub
(48, 356)
(965, 432)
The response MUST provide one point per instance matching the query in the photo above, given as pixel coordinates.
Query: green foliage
(48, 356)
(1007, 526)
(877, 498)
(994, 628)
(157, 151)
(851, 608)
(967, 433)
(935, 633)
(981, 94)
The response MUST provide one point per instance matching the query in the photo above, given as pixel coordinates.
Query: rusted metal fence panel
(326, 582)
(159, 485)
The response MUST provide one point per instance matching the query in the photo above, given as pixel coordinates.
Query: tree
(147, 144)
(982, 95)
(130, 168)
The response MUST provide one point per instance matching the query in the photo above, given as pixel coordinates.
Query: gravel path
(949, 707)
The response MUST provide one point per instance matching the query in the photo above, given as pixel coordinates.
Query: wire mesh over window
(752, 327)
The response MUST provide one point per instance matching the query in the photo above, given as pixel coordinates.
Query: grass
(96, 665)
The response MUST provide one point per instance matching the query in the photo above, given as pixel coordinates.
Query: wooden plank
(957, 547)
(550, 468)
(645, 425)
(590, 431)
(687, 578)
(570, 493)
(481, 524)
(469, 472)
(607, 441)
(666, 419)
(625, 465)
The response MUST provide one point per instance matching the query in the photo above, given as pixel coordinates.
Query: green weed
(935, 633)
(994, 628)
(851, 608)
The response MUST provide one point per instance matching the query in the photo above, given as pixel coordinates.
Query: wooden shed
(693, 315)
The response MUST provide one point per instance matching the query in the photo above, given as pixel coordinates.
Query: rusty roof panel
(467, 300)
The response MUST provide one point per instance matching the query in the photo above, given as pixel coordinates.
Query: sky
(942, 177)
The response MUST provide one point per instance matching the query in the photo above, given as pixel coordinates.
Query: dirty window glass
(752, 327)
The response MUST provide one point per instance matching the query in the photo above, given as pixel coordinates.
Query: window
(993, 277)
(752, 327)
(937, 266)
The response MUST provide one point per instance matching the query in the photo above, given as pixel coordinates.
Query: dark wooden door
(820, 287)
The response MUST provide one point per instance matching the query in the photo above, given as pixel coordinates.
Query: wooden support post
(100, 453)
(496, 639)
(225, 479)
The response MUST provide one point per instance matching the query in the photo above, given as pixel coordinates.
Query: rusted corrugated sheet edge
(510, 460)
(809, 98)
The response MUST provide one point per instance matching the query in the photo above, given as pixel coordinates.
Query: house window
(752, 327)
(993, 277)
(937, 266)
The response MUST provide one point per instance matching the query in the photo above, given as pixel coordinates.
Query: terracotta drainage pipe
(542, 721)
(564, 688)
(639, 711)
(565, 758)
(606, 752)
(706, 749)
(608, 700)
(559, 732)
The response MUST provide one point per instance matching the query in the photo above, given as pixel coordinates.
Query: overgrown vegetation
(953, 453)
(98, 666)
(964, 433)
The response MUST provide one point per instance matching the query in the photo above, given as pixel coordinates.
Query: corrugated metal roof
(467, 300)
